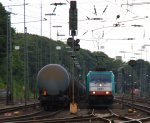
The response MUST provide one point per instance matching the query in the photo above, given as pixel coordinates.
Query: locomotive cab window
(100, 78)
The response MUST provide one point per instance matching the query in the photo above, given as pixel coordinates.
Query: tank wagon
(54, 86)
(100, 88)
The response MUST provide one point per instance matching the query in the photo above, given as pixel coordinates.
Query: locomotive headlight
(93, 92)
(100, 85)
(107, 92)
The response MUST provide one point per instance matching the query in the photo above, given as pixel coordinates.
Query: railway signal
(73, 17)
(69, 41)
(74, 44)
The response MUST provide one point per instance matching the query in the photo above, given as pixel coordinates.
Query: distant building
(119, 58)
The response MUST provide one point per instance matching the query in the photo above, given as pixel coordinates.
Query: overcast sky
(132, 18)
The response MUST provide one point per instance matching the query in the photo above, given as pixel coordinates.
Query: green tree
(3, 32)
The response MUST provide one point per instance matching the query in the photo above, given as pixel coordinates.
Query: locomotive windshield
(105, 78)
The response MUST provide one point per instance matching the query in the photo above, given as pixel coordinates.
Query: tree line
(42, 51)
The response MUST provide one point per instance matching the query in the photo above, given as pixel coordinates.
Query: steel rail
(143, 108)
(4, 110)
(112, 117)
(22, 117)
(70, 119)
(31, 117)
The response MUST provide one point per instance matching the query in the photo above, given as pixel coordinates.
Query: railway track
(37, 116)
(83, 116)
(20, 107)
(94, 116)
(110, 116)
(137, 106)
(136, 99)
(26, 116)
(117, 118)
(21, 117)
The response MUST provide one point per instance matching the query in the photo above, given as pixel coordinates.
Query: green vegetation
(3, 32)
(42, 51)
(2, 85)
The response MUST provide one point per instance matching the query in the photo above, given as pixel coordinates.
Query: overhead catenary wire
(126, 13)
(140, 3)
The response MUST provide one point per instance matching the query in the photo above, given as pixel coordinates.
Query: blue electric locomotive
(100, 88)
